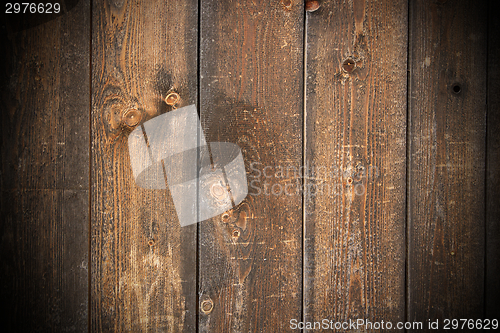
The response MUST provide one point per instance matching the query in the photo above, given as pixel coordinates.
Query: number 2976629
(32, 8)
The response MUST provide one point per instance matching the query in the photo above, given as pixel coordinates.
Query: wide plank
(143, 261)
(355, 145)
(251, 94)
(446, 221)
(45, 166)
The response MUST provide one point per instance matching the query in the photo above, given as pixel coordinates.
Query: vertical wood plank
(447, 131)
(252, 95)
(44, 177)
(143, 262)
(355, 152)
(492, 287)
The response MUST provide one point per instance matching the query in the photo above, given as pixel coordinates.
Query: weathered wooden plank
(44, 178)
(447, 150)
(492, 287)
(355, 153)
(143, 262)
(252, 95)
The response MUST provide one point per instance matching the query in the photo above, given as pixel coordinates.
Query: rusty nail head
(287, 3)
(132, 117)
(172, 98)
(236, 233)
(207, 306)
(348, 65)
(312, 5)
(349, 180)
(225, 217)
(218, 191)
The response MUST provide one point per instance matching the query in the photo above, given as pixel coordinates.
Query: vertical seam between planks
(304, 157)
(198, 228)
(89, 258)
(408, 167)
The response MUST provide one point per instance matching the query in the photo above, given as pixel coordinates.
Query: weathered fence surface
(369, 133)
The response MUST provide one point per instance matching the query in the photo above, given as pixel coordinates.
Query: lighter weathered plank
(355, 151)
(143, 262)
(252, 95)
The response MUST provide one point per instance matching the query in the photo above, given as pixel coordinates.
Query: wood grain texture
(492, 287)
(355, 152)
(447, 138)
(44, 177)
(252, 95)
(143, 262)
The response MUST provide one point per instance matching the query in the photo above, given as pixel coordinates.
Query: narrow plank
(251, 94)
(44, 178)
(447, 151)
(492, 287)
(143, 262)
(355, 151)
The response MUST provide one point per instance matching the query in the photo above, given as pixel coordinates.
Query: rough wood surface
(446, 177)
(355, 152)
(322, 233)
(143, 262)
(44, 177)
(252, 95)
(492, 287)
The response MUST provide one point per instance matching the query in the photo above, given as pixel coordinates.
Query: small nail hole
(348, 65)
(236, 233)
(456, 88)
(349, 180)
(151, 242)
(225, 217)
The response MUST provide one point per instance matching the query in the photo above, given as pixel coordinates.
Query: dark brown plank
(492, 287)
(252, 95)
(44, 177)
(143, 262)
(355, 152)
(447, 151)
